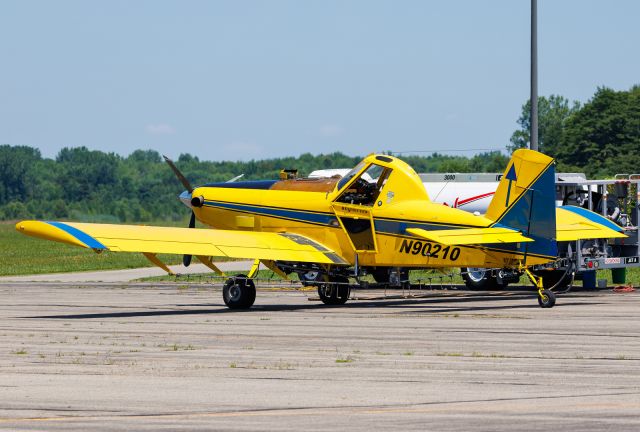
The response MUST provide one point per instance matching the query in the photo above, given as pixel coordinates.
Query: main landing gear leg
(546, 298)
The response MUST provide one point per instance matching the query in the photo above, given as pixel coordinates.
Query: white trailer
(616, 199)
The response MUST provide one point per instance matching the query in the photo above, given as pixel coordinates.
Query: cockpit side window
(366, 188)
(348, 176)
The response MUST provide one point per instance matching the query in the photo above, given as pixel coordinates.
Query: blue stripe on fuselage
(317, 218)
(252, 184)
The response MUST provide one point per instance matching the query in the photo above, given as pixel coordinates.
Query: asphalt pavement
(126, 275)
(121, 356)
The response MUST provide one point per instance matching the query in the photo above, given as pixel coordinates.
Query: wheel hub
(475, 274)
(235, 292)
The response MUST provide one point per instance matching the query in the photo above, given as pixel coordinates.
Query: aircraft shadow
(441, 304)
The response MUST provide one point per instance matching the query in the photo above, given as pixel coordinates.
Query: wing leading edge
(193, 241)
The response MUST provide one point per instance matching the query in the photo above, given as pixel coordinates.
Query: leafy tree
(553, 113)
(17, 174)
(603, 138)
(494, 161)
(15, 210)
(87, 173)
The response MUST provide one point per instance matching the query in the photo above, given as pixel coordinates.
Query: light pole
(533, 143)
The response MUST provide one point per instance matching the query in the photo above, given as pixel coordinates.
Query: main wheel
(478, 279)
(239, 292)
(546, 299)
(334, 292)
(380, 274)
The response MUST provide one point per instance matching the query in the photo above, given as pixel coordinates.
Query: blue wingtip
(80, 235)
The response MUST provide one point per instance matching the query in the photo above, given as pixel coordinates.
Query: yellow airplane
(377, 219)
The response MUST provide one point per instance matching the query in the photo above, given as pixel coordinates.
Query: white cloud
(331, 130)
(160, 129)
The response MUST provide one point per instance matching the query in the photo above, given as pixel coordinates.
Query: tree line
(601, 138)
(91, 185)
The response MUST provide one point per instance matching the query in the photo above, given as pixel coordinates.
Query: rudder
(525, 201)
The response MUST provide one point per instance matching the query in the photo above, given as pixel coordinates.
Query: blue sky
(230, 80)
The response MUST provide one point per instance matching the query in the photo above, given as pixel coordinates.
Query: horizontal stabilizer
(180, 241)
(576, 223)
(468, 236)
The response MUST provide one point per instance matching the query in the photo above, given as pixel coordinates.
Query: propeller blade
(178, 174)
(238, 177)
(186, 259)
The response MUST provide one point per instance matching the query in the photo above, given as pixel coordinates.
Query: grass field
(21, 255)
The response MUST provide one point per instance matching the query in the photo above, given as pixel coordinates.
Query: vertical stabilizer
(525, 201)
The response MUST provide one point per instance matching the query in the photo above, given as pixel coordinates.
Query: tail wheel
(239, 292)
(334, 292)
(478, 279)
(546, 298)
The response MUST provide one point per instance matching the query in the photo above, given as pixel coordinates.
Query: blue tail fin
(525, 201)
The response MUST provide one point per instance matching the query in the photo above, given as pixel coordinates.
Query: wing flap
(468, 236)
(192, 241)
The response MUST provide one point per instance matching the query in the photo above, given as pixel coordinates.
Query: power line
(447, 150)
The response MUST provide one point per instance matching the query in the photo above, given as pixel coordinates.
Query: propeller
(178, 174)
(186, 259)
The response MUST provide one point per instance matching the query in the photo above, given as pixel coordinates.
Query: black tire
(546, 299)
(334, 292)
(478, 279)
(380, 275)
(239, 292)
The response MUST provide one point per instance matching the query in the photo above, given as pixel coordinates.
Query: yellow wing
(468, 236)
(191, 241)
(575, 223)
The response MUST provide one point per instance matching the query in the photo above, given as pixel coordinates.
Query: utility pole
(533, 143)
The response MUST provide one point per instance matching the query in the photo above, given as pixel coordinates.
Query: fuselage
(352, 216)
